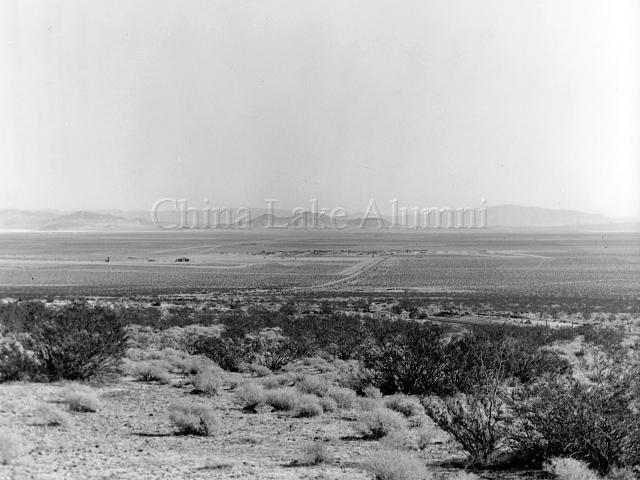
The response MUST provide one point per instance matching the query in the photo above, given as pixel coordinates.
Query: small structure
(182, 259)
(106, 260)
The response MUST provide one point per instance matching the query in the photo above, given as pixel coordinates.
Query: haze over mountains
(500, 216)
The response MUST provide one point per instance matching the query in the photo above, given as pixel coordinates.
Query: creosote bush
(193, 419)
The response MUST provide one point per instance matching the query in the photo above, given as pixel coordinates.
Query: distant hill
(500, 216)
(91, 221)
(518, 216)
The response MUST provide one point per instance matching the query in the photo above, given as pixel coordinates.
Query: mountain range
(500, 216)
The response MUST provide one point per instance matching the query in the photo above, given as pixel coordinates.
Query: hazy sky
(438, 103)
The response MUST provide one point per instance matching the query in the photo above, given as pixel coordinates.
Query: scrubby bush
(313, 385)
(396, 465)
(282, 399)
(249, 396)
(315, 453)
(81, 398)
(150, 371)
(344, 397)
(192, 419)
(379, 422)
(408, 406)
(228, 352)
(479, 422)
(307, 406)
(328, 404)
(371, 392)
(78, 341)
(276, 381)
(207, 381)
(16, 363)
(570, 469)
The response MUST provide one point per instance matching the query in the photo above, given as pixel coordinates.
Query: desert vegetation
(557, 399)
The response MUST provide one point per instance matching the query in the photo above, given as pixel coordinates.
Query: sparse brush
(192, 419)
(81, 398)
(371, 392)
(570, 469)
(399, 440)
(344, 397)
(11, 447)
(328, 404)
(308, 406)
(276, 381)
(315, 453)
(249, 396)
(377, 423)
(406, 405)
(396, 465)
(207, 381)
(151, 371)
(50, 417)
(282, 399)
(313, 385)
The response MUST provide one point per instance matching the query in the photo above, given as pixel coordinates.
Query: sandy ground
(131, 437)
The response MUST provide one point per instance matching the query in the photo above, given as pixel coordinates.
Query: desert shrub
(408, 406)
(192, 419)
(315, 453)
(228, 352)
(608, 338)
(207, 381)
(81, 398)
(11, 447)
(479, 422)
(16, 362)
(313, 385)
(396, 465)
(371, 392)
(344, 397)
(570, 469)
(367, 404)
(624, 473)
(328, 404)
(406, 357)
(377, 423)
(50, 417)
(307, 406)
(282, 399)
(425, 437)
(595, 423)
(78, 341)
(399, 440)
(260, 370)
(150, 371)
(249, 396)
(276, 381)
(274, 350)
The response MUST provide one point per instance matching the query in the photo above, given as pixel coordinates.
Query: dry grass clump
(367, 404)
(371, 392)
(396, 465)
(276, 381)
(344, 397)
(81, 398)
(378, 423)
(406, 405)
(315, 453)
(570, 469)
(328, 404)
(307, 406)
(313, 385)
(192, 419)
(282, 399)
(207, 381)
(399, 440)
(151, 371)
(249, 396)
(50, 416)
(11, 447)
